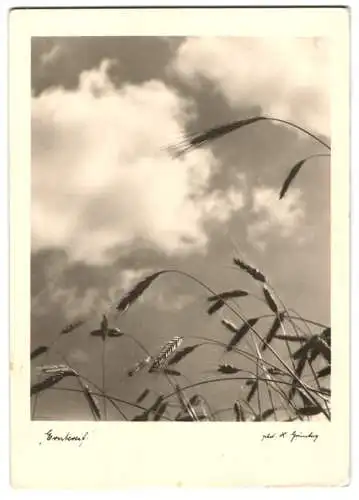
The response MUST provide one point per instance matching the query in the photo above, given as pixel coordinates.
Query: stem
(96, 387)
(104, 374)
(204, 382)
(111, 399)
(290, 124)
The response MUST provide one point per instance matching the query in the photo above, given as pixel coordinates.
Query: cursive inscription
(292, 437)
(50, 436)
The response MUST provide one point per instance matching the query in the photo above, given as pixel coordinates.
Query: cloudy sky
(110, 204)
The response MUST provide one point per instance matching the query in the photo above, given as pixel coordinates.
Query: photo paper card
(179, 197)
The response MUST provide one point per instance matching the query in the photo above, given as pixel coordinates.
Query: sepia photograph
(180, 229)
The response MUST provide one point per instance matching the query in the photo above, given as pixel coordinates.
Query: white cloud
(281, 217)
(101, 178)
(288, 78)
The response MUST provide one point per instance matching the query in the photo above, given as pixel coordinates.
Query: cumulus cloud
(288, 78)
(102, 180)
(272, 215)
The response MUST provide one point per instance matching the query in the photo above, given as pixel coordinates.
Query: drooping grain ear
(230, 326)
(142, 396)
(38, 351)
(324, 372)
(174, 373)
(91, 401)
(165, 353)
(48, 382)
(160, 412)
(309, 411)
(72, 326)
(255, 273)
(196, 140)
(294, 171)
(231, 294)
(238, 412)
(240, 334)
(182, 353)
(129, 298)
(145, 415)
(291, 176)
(270, 300)
(272, 331)
(292, 338)
(216, 306)
(228, 369)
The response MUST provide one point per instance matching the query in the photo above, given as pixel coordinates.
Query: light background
(341, 351)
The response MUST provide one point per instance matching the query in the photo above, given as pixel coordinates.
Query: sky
(111, 205)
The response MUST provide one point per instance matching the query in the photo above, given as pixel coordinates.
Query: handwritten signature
(50, 436)
(290, 436)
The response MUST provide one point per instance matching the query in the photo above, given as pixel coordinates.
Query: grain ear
(129, 298)
(38, 351)
(240, 334)
(231, 294)
(182, 353)
(255, 273)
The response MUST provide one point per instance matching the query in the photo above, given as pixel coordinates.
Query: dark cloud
(140, 59)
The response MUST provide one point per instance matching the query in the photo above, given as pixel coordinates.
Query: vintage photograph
(180, 229)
